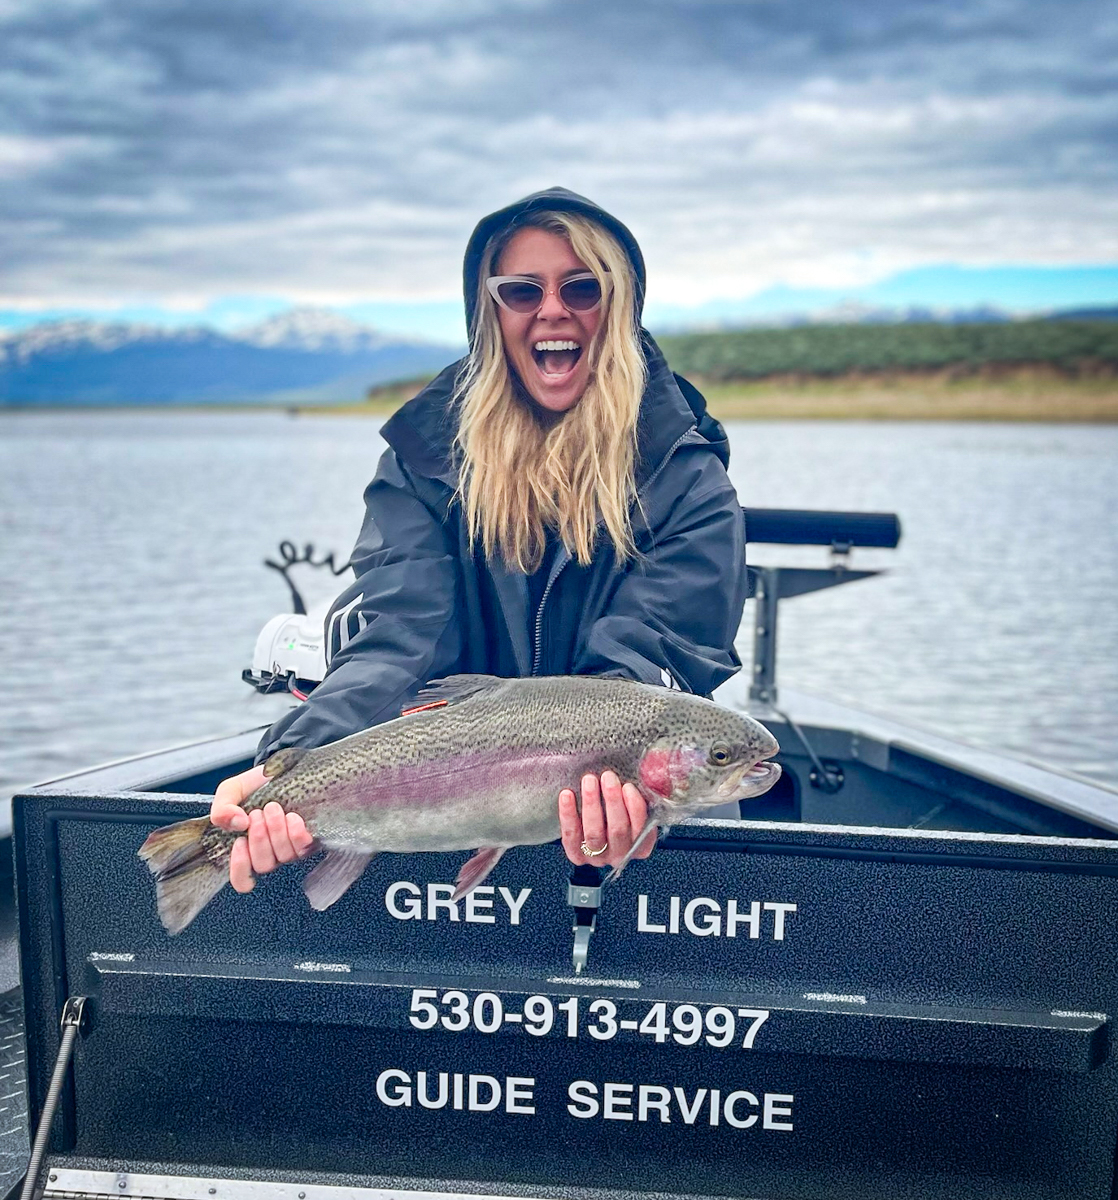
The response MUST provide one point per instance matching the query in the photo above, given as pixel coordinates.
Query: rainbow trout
(479, 766)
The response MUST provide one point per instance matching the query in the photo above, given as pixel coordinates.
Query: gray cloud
(344, 149)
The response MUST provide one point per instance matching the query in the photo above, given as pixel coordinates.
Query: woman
(556, 503)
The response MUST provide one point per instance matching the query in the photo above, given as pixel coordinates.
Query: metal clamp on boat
(584, 894)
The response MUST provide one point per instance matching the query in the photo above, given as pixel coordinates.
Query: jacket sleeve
(392, 629)
(676, 609)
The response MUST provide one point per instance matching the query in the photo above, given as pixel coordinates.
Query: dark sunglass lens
(520, 296)
(581, 294)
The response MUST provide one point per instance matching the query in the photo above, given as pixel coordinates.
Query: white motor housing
(290, 655)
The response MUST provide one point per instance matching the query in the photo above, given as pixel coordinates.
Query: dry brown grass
(1031, 394)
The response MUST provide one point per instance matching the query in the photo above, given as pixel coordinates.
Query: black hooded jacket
(425, 603)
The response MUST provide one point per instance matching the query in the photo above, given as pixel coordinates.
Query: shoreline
(1033, 394)
(1025, 395)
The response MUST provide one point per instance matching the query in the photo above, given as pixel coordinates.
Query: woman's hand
(612, 817)
(274, 836)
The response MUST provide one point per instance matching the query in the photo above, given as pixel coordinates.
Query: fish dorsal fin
(282, 761)
(454, 688)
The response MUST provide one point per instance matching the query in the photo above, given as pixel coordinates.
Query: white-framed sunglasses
(521, 294)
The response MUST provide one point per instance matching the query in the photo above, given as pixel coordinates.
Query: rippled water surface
(132, 587)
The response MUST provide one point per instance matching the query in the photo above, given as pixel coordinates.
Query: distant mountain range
(303, 356)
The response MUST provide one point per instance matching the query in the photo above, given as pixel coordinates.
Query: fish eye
(719, 754)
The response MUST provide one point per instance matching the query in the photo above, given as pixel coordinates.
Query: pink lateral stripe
(490, 771)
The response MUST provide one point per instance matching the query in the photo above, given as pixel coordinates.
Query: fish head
(715, 757)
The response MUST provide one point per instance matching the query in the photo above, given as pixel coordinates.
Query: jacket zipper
(557, 570)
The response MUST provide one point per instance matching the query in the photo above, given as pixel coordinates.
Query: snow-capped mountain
(313, 329)
(301, 356)
(67, 337)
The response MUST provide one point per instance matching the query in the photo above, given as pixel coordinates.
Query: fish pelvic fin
(474, 870)
(189, 869)
(334, 875)
(651, 827)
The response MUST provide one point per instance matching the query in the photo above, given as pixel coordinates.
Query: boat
(892, 976)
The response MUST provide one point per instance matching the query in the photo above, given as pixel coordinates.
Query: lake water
(132, 587)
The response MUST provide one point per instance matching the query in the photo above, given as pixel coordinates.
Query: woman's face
(555, 379)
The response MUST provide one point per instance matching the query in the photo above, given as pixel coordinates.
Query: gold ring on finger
(593, 853)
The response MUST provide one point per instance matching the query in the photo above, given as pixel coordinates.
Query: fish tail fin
(188, 871)
(649, 826)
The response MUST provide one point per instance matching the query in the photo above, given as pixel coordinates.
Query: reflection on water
(133, 588)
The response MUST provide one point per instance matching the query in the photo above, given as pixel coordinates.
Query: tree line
(1075, 348)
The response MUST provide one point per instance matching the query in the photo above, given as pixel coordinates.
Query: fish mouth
(749, 782)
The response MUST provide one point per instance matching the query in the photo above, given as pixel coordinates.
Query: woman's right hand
(274, 836)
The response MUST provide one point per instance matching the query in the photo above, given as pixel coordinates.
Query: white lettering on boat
(407, 901)
(706, 917)
(740, 1109)
(469, 1093)
(586, 1100)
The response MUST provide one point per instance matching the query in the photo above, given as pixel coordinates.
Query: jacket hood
(555, 199)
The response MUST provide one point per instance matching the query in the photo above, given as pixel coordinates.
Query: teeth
(556, 346)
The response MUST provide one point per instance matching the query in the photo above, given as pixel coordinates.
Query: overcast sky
(222, 158)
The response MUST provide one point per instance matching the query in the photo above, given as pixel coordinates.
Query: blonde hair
(518, 475)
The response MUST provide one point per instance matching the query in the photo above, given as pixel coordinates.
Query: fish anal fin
(474, 870)
(456, 687)
(331, 878)
(282, 761)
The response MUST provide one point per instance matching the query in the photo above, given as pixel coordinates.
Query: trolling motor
(290, 653)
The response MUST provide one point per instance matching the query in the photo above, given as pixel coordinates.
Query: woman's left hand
(612, 817)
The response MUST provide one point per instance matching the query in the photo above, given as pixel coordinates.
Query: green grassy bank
(1073, 348)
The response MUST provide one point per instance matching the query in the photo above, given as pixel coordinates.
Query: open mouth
(757, 780)
(558, 357)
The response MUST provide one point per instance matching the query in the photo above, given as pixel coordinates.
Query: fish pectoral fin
(283, 760)
(651, 826)
(334, 876)
(474, 870)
